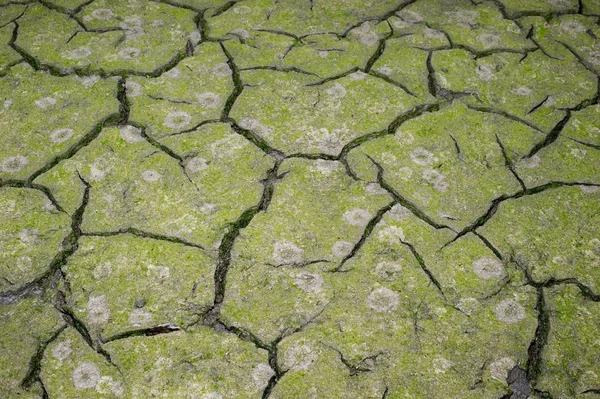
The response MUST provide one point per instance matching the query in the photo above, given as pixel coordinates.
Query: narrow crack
(550, 137)
(423, 266)
(483, 219)
(228, 241)
(238, 85)
(364, 236)
(143, 234)
(35, 363)
(14, 183)
(509, 164)
(159, 329)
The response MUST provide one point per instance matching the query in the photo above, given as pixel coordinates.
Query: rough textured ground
(217, 199)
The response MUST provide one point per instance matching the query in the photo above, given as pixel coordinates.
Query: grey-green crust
(312, 199)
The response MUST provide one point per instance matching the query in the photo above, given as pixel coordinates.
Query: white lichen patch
(14, 164)
(530, 162)
(107, 386)
(441, 365)
(391, 235)
(484, 72)
(158, 272)
(28, 236)
(399, 213)
(299, 357)
(177, 119)
(422, 157)
(326, 167)
(133, 89)
(221, 69)
(196, 164)
(80, 53)
(572, 26)
(172, 73)
(103, 14)
(86, 376)
(499, 369)
(140, 317)
(509, 311)
(98, 310)
(388, 270)
(129, 53)
(45, 102)
(308, 282)
(487, 268)
(131, 134)
(336, 91)
(286, 253)
(62, 350)
(209, 100)
(151, 175)
(61, 135)
(341, 248)
(383, 300)
(357, 217)
(261, 374)
(489, 40)
(468, 305)
(522, 91)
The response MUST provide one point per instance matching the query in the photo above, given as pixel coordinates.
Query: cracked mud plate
(212, 199)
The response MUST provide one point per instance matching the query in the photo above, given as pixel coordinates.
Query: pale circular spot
(14, 164)
(173, 73)
(330, 143)
(98, 311)
(195, 37)
(299, 357)
(509, 311)
(421, 156)
(88, 81)
(196, 164)
(487, 268)
(441, 365)
(489, 40)
(326, 167)
(341, 248)
(177, 119)
(28, 236)
(578, 153)
(410, 16)
(404, 173)
(212, 395)
(133, 89)
(433, 176)
(140, 317)
(209, 100)
(358, 75)
(157, 23)
(60, 135)
(357, 217)
(500, 368)
(129, 53)
(261, 374)
(398, 212)
(151, 175)
(221, 69)
(287, 253)
(383, 300)
(131, 134)
(86, 375)
(103, 14)
(79, 53)
(102, 271)
(62, 350)
(434, 34)
(388, 270)
(158, 272)
(323, 54)
(241, 33)
(374, 188)
(530, 162)
(391, 234)
(308, 282)
(589, 189)
(385, 70)
(45, 102)
(572, 26)
(107, 386)
(208, 209)
(484, 72)
(468, 305)
(522, 91)
(336, 91)
(369, 39)
(7, 104)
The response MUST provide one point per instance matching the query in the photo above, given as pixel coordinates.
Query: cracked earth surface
(217, 199)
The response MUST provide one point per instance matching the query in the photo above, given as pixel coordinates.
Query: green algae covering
(211, 199)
